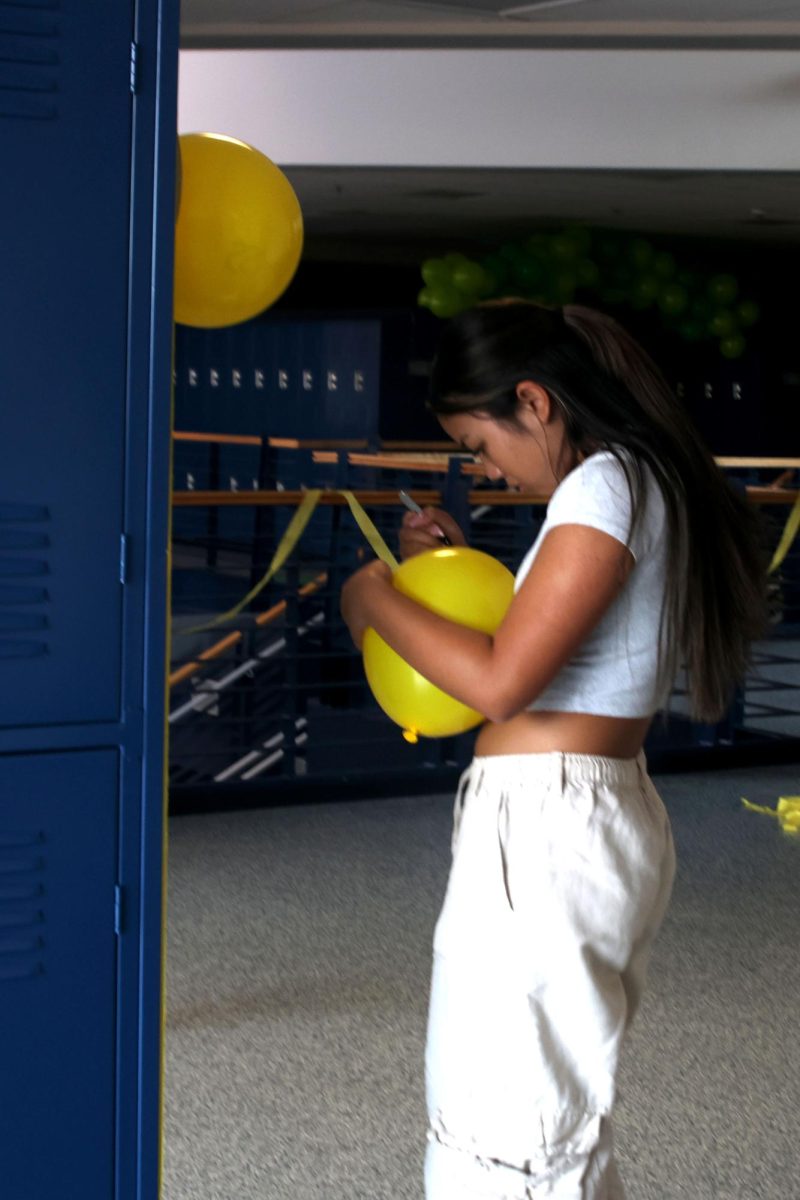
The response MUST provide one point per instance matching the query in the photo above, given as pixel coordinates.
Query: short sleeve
(595, 493)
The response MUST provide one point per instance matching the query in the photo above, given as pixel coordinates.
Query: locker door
(351, 357)
(65, 136)
(286, 383)
(87, 145)
(58, 853)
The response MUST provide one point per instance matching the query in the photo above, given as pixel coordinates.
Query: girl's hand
(360, 592)
(421, 531)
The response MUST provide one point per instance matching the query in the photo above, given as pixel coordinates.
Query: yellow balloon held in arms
(238, 235)
(457, 582)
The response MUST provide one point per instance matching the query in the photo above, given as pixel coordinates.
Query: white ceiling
(352, 211)
(423, 211)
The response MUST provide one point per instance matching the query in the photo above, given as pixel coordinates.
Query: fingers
(423, 531)
(448, 526)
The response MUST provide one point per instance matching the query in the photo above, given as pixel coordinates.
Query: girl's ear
(534, 399)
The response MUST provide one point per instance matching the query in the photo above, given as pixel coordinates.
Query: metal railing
(273, 703)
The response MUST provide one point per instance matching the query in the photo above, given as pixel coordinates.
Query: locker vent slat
(22, 894)
(29, 59)
(24, 559)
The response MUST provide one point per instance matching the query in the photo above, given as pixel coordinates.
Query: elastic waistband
(558, 767)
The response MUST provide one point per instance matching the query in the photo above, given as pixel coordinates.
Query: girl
(562, 853)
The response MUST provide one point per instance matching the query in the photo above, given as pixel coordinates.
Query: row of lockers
(298, 378)
(366, 377)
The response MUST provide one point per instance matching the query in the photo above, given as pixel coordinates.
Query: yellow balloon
(457, 582)
(239, 232)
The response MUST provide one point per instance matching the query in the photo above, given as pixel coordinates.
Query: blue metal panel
(64, 353)
(285, 389)
(351, 363)
(308, 393)
(303, 377)
(143, 814)
(238, 473)
(87, 226)
(58, 854)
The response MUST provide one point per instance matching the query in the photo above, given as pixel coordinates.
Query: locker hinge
(123, 558)
(134, 70)
(117, 909)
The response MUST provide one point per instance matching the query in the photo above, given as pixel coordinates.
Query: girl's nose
(492, 472)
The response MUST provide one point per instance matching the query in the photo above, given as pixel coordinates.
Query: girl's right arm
(422, 531)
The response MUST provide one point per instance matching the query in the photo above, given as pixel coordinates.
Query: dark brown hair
(612, 396)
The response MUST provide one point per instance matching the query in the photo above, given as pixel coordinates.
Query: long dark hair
(612, 397)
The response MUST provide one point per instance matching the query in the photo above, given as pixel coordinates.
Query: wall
(704, 110)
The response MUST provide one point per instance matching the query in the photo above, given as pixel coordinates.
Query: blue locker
(87, 142)
(238, 473)
(58, 963)
(284, 382)
(64, 373)
(308, 394)
(350, 360)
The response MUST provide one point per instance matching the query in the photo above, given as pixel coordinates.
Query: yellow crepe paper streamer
(369, 531)
(294, 531)
(787, 537)
(299, 521)
(787, 812)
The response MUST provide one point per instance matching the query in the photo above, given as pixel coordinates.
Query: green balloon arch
(615, 268)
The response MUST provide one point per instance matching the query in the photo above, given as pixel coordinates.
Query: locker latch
(117, 909)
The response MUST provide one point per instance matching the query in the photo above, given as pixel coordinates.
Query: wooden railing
(429, 457)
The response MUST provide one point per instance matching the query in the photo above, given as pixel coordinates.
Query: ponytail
(612, 396)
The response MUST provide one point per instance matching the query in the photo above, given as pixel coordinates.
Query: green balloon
(528, 273)
(673, 299)
(664, 265)
(511, 251)
(588, 273)
(748, 312)
(612, 294)
(424, 297)
(446, 302)
(733, 346)
(640, 252)
(563, 248)
(581, 237)
(498, 268)
(609, 246)
(469, 277)
(723, 324)
(722, 289)
(623, 275)
(701, 309)
(562, 286)
(536, 244)
(645, 290)
(435, 272)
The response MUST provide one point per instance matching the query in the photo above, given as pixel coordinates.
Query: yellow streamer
(286, 545)
(294, 531)
(786, 812)
(369, 531)
(787, 537)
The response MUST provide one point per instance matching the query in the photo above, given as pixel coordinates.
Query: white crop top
(614, 671)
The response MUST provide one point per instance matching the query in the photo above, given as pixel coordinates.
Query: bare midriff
(571, 733)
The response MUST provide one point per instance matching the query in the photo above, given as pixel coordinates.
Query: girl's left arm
(576, 575)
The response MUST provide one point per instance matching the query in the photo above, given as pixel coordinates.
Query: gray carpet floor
(297, 975)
